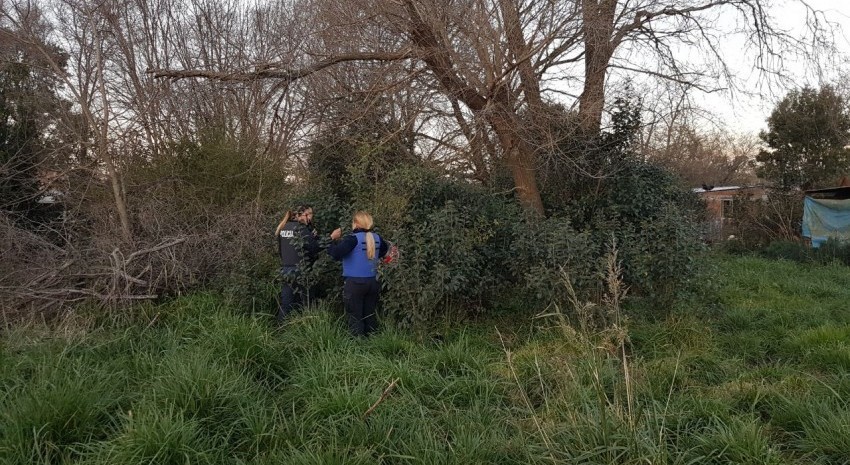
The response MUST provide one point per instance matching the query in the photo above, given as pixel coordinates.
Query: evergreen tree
(29, 104)
(369, 142)
(808, 133)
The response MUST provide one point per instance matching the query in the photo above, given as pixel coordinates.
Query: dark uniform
(361, 289)
(298, 247)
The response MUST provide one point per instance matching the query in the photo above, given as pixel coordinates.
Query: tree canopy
(807, 139)
(29, 103)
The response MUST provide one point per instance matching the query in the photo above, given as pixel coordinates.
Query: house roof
(701, 190)
(838, 193)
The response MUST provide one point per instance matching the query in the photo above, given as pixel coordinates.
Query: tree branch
(642, 17)
(380, 399)
(270, 71)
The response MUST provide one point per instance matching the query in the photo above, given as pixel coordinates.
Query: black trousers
(361, 302)
(293, 294)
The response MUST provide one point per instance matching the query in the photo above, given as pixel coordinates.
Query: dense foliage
(807, 136)
(469, 247)
(29, 106)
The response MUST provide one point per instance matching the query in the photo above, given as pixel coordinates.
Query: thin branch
(384, 395)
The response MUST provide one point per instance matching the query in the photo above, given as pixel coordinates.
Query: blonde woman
(298, 247)
(359, 253)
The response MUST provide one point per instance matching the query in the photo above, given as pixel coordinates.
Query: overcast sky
(743, 113)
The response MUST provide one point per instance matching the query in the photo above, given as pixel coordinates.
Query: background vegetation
(553, 301)
(146, 148)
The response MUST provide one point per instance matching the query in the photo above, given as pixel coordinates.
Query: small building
(826, 214)
(719, 202)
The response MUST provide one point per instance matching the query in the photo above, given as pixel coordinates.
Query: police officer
(298, 247)
(359, 253)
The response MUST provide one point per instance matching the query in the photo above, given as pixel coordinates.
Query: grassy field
(754, 371)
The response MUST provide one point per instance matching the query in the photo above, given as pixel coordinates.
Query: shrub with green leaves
(787, 250)
(834, 250)
(831, 251)
(470, 247)
(654, 220)
(465, 248)
(456, 241)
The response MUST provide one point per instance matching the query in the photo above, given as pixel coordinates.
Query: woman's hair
(365, 221)
(289, 215)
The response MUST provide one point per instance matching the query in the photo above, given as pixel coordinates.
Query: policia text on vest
(298, 248)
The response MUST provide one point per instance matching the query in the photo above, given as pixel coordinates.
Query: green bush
(550, 251)
(833, 251)
(788, 250)
(734, 247)
(653, 218)
(456, 242)
(465, 248)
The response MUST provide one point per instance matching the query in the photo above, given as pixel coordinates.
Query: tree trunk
(103, 149)
(519, 157)
(598, 26)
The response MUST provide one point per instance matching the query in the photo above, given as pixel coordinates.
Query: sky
(747, 114)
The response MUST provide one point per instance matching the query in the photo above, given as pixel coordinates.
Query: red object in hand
(391, 256)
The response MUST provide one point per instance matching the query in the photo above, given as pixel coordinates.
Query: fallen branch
(381, 399)
(153, 249)
(42, 294)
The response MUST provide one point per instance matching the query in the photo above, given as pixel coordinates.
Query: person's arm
(340, 249)
(311, 244)
(277, 241)
(385, 247)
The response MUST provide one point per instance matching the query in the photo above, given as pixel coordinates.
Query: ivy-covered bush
(654, 219)
(455, 240)
(467, 249)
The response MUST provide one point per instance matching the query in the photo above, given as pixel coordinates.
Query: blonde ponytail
(370, 246)
(365, 221)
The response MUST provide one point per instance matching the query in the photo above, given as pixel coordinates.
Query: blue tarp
(826, 218)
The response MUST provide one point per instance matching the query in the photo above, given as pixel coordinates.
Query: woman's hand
(336, 234)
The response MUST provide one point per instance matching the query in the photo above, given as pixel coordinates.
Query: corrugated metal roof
(841, 192)
(700, 190)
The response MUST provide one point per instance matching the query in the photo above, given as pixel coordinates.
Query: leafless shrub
(760, 222)
(169, 257)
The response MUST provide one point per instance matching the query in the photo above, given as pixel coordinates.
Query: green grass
(758, 371)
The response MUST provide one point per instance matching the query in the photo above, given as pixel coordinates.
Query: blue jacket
(351, 250)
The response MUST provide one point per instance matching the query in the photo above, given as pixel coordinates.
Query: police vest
(290, 244)
(356, 264)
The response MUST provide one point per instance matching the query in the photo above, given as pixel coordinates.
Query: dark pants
(293, 293)
(361, 302)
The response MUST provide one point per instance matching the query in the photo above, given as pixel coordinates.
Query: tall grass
(755, 374)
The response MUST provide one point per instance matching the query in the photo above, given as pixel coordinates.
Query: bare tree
(96, 116)
(662, 28)
(712, 157)
(493, 60)
(461, 45)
